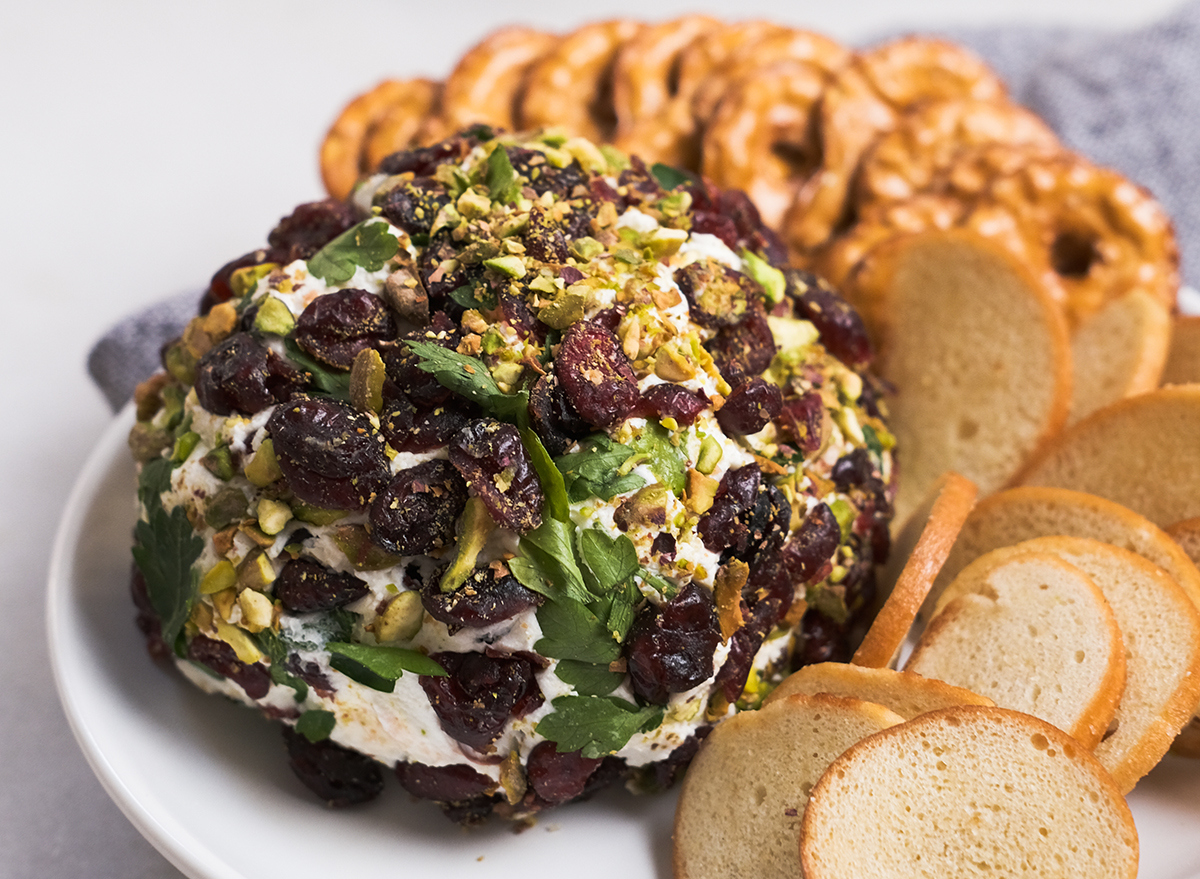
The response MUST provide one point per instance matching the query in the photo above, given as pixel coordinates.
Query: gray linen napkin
(1127, 100)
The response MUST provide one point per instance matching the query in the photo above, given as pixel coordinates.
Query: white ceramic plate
(207, 783)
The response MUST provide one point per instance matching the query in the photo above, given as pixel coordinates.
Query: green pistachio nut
(263, 468)
(274, 317)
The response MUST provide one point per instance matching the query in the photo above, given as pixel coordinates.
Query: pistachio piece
(404, 292)
(263, 468)
(245, 280)
(273, 515)
(586, 248)
(360, 550)
(587, 154)
(224, 601)
(769, 278)
(256, 534)
(147, 442)
(700, 492)
(401, 620)
(647, 508)
(220, 321)
(243, 645)
(201, 617)
(257, 610)
(195, 340)
(710, 455)
(311, 515)
(147, 396)
(219, 462)
(180, 363)
(220, 576)
(512, 778)
(225, 508)
(185, 444)
(474, 526)
(672, 366)
(727, 591)
(510, 266)
(255, 572)
(366, 381)
(473, 204)
(274, 317)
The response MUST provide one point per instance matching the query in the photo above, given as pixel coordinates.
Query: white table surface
(142, 145)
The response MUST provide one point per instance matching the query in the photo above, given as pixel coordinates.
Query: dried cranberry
(306, 586)
(553, 418)
(410, 428)
(479, 694)
(718, 295)
(401, 364)
(311, 226)
(578, 223)
(442, 273)
(674, 401)
(336, 326)
(543, 239)
(665, 773)
(310, 673)
(417, 510)
(752, 234)
(425, 160)
(750, 407)
(842, 330)
(822, 640)
(853, 470)
(337, 775)
(485, 598)
(713, 223)
(768, 593)
(220, 657)
(497, 467)
(664, 547)
(240, 375)
(544, 177)
(455, 783)
(515, 311)
(748, 517)
(803, 420)
(813, 544)
(593, 370)
(413, 204)
(744, 349)
(558, 777)
(330, 454)
(639, 186)
(670, 649)
(219, 289)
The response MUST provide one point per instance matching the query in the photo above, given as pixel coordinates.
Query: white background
(143, 144)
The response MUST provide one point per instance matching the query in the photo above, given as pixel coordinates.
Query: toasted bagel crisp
(744, 795)
(945, 511)
(1034, 634)
(968, 791)
(1183, 360)
(1161, 631)
(906, 693)
(978, 351)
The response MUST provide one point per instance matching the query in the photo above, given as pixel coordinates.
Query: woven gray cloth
(1127, 100)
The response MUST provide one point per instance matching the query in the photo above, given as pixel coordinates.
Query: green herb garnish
(369, 244)
(166, 547)
(609, 561)
(469, 377)
(278, 649)
(668, 177)
(588, 678)
(596, 726)
(500, 178)
(316, 725)
(593, 471)
(379, 667)
(570, 630)
(557, 505)
(547, 562)
(327, 381)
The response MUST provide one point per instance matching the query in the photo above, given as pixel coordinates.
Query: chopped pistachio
(683, 712)
(401, 620)
(273, 515)
(195, 340)
(172, 411)
(366, 381)
(147, 442)
(201, 617)
(710, 455)
(147, 396)
(587, 154)
(180, 363)
(219, 462)
(851, 386)
(701, 491)
(257, 610)
(255, 571)
(727, 592)
(508, 373)
(220, 576)
(311, 515)
(647, 507)
(263, 468)
(586, 248)
(664, 242)
(224, 508)
(616, 159)
(510, 266)
(473, 204)
(245, 280)
(568, 307)
(769, 278)
(474, 526)
(360, 550)
(224, 601)
(257, 535)
(844, 513)
(558, 158)
(792, 332)
(274, 317)
(243, 645)
(672, 366)
(512, 778)
(220, 320)
(405, 293)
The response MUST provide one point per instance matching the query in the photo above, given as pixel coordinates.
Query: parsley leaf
(473, 297)
(369, 244)
(501, 179)
(166, 547)
(278, 649)
(316, 725)
(668, 177)
(665, 460)
(593, 471)
(610, 562)
(327, 381)
(469, 377)
(571, 631)
(588, 678)
(594, 725)
(551, 479)
(379, 667)
(547, 562)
